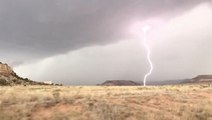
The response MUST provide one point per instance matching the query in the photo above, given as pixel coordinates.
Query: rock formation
(5, 69)
(9, 77)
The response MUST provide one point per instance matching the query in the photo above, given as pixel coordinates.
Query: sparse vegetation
(9, 78)
(179, 102)
(3, 82)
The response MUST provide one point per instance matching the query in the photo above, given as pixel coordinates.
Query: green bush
(3, 82)
(16, 81)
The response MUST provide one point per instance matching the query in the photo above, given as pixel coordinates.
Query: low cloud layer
(36, 29)
(90, 41)
(181, 48)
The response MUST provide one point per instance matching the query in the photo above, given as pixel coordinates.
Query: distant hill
(133, 83)
(9, 77)
(168, 82)
(197, 79)
(120, 83)
(202, 78)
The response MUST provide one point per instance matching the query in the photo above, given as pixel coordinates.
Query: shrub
(3, 82)
(16, 81)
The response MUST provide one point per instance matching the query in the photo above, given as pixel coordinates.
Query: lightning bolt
(145, 29)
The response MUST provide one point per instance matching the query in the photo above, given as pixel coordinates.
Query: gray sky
(88, 42)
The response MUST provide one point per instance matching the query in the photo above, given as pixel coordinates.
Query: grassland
(179, 102)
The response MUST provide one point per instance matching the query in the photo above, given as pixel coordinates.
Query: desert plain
(172, 102)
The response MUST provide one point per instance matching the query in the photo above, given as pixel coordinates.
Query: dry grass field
(179, 102)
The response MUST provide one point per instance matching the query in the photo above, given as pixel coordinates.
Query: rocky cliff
(9, 77)
(5, 69)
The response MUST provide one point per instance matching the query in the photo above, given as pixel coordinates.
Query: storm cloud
(36, 29)
(85, 42)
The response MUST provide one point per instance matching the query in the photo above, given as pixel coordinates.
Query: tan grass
(179, 102)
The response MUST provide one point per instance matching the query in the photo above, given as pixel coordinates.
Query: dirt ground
(178, 102)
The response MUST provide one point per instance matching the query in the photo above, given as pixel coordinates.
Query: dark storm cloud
(41, 28)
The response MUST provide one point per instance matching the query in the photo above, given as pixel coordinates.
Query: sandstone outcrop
(9, 77)
(5, 69)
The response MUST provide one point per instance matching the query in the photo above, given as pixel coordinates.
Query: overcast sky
(81, 42)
